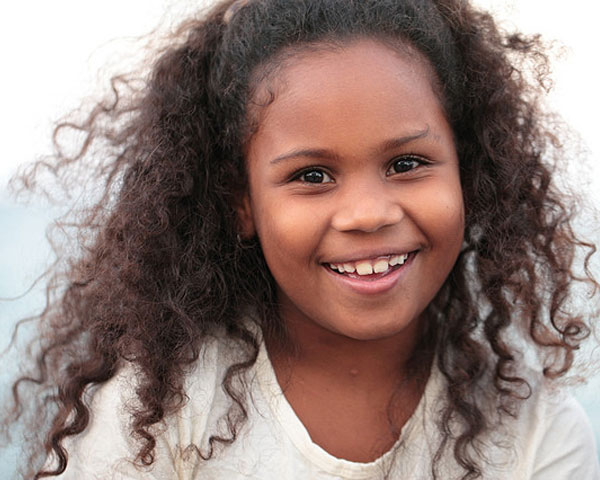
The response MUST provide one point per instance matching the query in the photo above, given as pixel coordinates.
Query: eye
(405, 164)
(314, 175)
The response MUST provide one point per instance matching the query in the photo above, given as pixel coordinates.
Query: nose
(367, 209)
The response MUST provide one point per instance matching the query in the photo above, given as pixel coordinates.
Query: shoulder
(107, 448)
(548, 438)
(555, 437)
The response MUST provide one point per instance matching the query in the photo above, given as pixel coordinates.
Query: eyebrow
(324, 153)
(401, 141)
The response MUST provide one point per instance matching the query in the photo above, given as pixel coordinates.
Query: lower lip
(369, 285)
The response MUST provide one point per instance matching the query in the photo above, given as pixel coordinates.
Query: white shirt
(550, 440)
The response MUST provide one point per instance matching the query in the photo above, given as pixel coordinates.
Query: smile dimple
(369, 267)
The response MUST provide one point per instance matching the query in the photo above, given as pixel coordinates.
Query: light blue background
(52, 53)
(24, 252)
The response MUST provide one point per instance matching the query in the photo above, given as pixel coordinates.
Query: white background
(51, 53)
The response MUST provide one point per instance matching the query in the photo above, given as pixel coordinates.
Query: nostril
(367, 216)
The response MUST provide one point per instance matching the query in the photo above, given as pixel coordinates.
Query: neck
(381, 363)
(336, 384)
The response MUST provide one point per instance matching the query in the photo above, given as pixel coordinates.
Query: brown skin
(341, 391)
(142, 283)
(344, 107)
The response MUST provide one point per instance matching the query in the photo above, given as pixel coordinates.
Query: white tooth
(395, 260)
(348, 267)
(381, 266)
(340, 267)
(403, 259)
(364, 268)
(332, 266)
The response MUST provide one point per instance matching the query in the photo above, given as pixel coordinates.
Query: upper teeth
(368, 267)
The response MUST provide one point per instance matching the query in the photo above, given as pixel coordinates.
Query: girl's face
(354, 191)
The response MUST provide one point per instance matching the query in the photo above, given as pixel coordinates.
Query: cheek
(450, 230)
(289, 231)
(454, 217)
(443, 217)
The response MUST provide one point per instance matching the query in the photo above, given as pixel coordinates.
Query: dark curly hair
(159, 266)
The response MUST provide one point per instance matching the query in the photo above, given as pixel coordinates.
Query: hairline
(261, 78)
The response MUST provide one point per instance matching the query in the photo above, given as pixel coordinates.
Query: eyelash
(320, 170)
(419, 161)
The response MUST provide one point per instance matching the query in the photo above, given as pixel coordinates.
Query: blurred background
(53, 54)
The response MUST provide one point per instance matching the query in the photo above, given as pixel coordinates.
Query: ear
(243, 210)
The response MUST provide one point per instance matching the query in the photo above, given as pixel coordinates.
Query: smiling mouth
(371, 269)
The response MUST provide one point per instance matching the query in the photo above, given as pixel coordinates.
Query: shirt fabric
(550, 440)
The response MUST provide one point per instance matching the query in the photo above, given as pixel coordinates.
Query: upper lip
(371, 254)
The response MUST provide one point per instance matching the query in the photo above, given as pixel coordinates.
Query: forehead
(359, 88)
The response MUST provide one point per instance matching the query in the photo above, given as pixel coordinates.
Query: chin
(375, 332)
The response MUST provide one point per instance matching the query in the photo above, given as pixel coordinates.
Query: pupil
(403, 166)
(313, 176)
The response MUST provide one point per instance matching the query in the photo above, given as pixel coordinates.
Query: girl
(329, 246)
